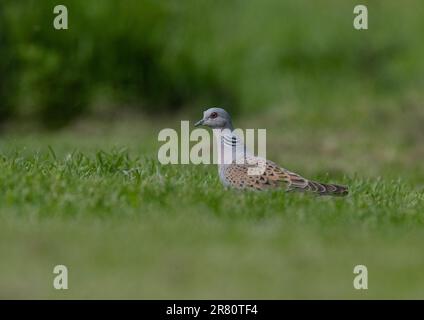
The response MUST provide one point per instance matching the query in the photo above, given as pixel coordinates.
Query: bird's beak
(199, 123)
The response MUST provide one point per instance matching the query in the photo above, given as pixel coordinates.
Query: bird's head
(216, 118)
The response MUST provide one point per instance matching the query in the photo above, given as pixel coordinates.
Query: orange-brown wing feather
(273, 176)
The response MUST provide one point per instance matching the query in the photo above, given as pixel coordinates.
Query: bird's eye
(214, 115)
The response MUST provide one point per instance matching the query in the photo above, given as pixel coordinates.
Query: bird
(235, 173)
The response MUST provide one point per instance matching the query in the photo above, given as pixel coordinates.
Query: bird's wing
(272, 176)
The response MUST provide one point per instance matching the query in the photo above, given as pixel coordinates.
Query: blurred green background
(80, 184)
(163, 56)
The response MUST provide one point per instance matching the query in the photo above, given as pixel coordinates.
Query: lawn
(94, 198)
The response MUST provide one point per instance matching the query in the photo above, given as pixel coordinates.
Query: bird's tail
(325, 189)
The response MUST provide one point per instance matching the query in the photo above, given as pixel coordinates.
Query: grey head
(216, 118)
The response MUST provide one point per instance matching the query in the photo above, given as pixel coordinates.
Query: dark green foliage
(159, 56)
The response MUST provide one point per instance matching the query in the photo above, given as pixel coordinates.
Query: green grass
(97, 201)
